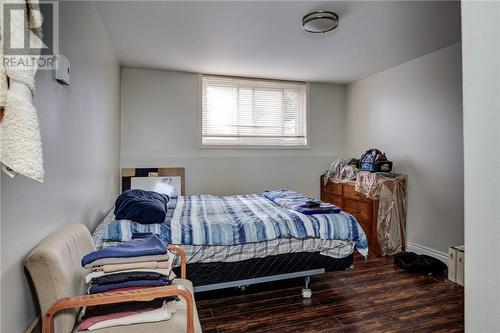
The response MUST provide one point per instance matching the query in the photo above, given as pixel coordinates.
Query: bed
(239, 240)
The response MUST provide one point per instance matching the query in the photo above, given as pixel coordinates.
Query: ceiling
(264, 38)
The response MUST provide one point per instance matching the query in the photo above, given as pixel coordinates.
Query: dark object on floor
(404, 259)
(419, 264)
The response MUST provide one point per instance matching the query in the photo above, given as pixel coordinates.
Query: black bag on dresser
(374, 161)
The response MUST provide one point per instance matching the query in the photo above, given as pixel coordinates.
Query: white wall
(413, 112)
(80, 134)
(160, 128)
(481, 86)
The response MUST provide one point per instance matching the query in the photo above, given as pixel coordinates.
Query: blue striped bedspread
(239, 219)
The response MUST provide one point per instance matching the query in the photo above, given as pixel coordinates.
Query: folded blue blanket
(96, 288)
(317, 210)
(298, 202)
(141, 206)
(148, 246)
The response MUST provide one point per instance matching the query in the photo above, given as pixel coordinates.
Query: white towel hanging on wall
(3, 81)
(20, 145)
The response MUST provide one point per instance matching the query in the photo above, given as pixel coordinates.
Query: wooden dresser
(364, 209)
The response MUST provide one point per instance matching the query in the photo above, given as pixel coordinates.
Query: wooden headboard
(129, 173)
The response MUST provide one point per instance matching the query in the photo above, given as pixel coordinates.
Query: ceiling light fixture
(320, 21)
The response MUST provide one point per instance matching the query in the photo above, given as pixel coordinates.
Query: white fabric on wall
(20, 145)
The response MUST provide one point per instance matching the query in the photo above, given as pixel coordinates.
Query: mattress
(236, 253)
(208, 220)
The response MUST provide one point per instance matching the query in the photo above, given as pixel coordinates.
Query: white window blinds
(253, 112)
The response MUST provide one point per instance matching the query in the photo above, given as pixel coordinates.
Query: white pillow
(166, 187)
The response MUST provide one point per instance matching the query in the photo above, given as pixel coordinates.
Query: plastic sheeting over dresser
(391, 219)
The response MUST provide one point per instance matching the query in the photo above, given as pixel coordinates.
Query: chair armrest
(147, 294)
(177, 249)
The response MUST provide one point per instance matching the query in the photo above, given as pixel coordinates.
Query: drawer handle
(357, 195)
(357, 211)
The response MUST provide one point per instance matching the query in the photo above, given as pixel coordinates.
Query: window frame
(263, 147)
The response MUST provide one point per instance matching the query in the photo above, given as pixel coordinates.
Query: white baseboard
(420, 249)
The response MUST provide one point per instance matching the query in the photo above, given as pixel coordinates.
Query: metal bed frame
(243, 283)
(221, 275)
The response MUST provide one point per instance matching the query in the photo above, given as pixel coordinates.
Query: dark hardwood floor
(376, 296)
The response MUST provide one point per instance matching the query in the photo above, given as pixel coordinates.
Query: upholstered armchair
(54, 266)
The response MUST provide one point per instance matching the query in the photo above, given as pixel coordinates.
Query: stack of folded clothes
(136, 264)
(301, 203)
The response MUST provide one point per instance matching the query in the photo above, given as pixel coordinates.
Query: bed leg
(243, 287)
(306, 292)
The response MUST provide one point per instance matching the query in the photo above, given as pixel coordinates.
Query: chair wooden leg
(177, 249)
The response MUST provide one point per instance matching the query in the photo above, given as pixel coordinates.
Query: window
(253, 112)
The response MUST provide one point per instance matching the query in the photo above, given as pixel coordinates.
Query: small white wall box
(456, 264)
(452, 264)
(63, 70)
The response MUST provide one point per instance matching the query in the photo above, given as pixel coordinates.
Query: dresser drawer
(334, 188)
(361, 207)
(361, 210)
(368, 229)
(331, 198)
(350, 193)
